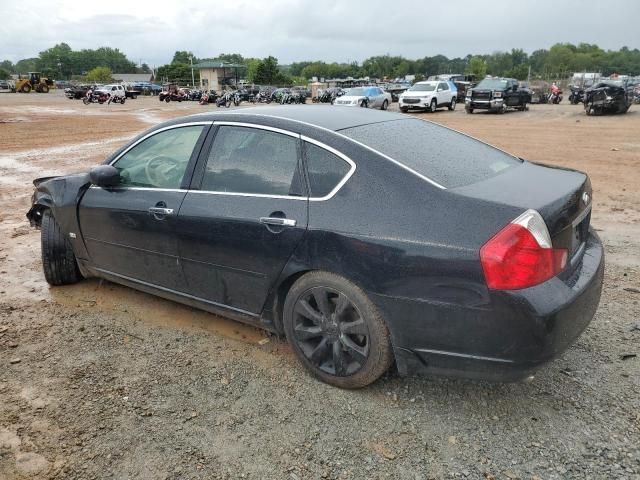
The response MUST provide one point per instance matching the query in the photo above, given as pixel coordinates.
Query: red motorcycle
(96, 97)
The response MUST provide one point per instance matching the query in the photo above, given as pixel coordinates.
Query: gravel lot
(99, 381)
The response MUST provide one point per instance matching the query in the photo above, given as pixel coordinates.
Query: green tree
(231, 58)
(4, 74)
(7, 65)
(267, 72)
(99, 75)
(182, 57)
(478, 67)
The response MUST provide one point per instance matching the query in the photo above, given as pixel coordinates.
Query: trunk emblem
(585, 198)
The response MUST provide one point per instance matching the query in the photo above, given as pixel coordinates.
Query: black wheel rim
(330, 331)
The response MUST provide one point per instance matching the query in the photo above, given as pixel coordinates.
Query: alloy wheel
(330, 331)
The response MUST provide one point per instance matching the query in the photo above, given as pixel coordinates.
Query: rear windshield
(446, 157)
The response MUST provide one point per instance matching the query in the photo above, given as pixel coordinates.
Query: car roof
(322, 116)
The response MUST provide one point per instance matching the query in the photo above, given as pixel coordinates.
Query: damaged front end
(608, 97)
(61, 195)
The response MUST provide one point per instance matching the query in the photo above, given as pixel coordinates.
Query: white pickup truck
(117, 93)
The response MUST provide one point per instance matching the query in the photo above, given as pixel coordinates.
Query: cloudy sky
(331, 30)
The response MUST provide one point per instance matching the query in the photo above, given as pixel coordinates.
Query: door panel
(244, 217)
(228, 256)
(129, 230)
(123, 237)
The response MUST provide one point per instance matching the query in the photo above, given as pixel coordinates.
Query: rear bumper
(506, 339)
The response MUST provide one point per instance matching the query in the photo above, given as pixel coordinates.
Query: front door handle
(161, 211)
(280, 222)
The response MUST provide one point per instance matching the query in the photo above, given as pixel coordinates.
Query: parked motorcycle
(577, 94)
(96, 97)
(555, 96)
(227, 99)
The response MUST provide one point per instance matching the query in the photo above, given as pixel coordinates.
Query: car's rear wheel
(336, 331)
(452, 105)
(58, 261)
(433, 106)
(385, 105)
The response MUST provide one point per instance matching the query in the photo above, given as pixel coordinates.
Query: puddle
(109, 297)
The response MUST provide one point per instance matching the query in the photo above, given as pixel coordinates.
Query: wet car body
(419, 266)
(609, 96)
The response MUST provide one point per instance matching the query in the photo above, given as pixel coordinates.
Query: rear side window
(253, 161)
(445, 156)
(325, 170)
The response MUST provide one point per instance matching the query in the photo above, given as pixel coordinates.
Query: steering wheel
(161, 170)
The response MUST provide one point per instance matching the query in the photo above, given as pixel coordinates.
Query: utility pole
(193, 81)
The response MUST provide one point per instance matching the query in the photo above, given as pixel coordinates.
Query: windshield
(443, 155)
(492, 83)
(423, 87)
(361, 91)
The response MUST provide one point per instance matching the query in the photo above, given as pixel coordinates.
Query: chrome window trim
(142, 188)
(257, 126)
(324, 146)
(402, 165)
(151, 134)
(257, 195)
(339, 154)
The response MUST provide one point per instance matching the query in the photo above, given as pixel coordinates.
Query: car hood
(351, 97)
(416, 94)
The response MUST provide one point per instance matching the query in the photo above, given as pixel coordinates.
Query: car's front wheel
(433, 106)
(385, 105)
(58, 261)
(336, 331)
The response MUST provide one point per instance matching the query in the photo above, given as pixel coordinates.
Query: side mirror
(104, 176)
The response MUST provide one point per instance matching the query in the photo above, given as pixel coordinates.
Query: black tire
(351, 350)
(385, 105)
(58, 261)
(86, 100)
(26, 88)
(122, 100)
(167, 99)
(452, 104)
(469, 109)
(44, 88)
(433, 106)
(404, 109)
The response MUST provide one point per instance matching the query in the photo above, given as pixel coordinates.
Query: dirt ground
(100, 381)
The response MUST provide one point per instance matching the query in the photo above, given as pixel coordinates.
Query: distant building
(132, 77)
(214, 74)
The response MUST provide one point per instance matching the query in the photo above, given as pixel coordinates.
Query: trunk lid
(561, 196)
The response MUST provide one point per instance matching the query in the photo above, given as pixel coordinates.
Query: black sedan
(365, 237)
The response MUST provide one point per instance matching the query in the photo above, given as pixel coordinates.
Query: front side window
(444, 86)
(161, 160)
(253, 161)
(325, 170)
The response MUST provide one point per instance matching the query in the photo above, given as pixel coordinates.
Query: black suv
(497, 95)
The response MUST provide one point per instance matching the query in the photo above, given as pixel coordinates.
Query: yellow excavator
(34, 82)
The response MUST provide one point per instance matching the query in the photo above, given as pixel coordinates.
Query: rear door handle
(281, 222)
(161, 211)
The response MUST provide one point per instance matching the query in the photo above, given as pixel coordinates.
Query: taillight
(521, 255)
